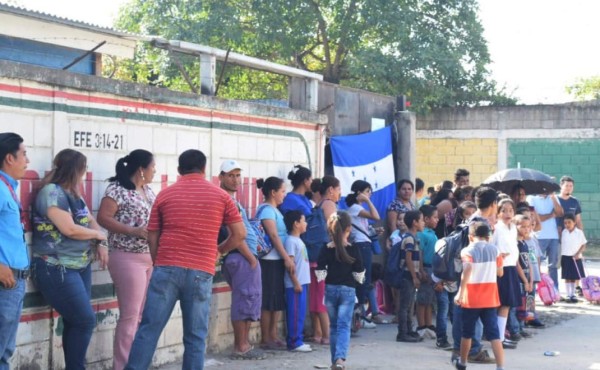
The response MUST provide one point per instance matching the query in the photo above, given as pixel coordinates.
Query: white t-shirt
(294, 246)
(572, 241)
(355, 235)
(505, 239)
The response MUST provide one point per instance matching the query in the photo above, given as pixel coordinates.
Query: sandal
(274, 346)
(251, 354)
(324, 341)
(313, 339)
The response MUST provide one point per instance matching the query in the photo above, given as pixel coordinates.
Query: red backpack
(546, 290)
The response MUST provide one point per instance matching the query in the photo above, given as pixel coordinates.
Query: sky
(537, 47)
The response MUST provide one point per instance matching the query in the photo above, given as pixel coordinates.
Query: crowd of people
(160, 249)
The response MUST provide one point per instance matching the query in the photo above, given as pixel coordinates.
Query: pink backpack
(546, 290)
(382, 298)
(591, 288)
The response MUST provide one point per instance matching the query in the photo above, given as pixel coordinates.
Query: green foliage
(431, 50)
(585, 88)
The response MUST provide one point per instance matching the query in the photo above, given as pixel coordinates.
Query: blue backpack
(393, 267)
(316, 235)
(264, 245)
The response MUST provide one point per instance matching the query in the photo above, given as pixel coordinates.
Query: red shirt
(188, 215)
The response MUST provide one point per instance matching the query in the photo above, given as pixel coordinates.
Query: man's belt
(20, 274)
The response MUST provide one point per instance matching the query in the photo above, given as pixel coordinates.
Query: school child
(426, 294)
(296, 284)
(573, 244)
(505, 239)
(412, 274)
(340, 265)
(478, 293)
(535, 255)
(527, 308)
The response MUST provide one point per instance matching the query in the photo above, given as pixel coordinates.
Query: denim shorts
(489, 319)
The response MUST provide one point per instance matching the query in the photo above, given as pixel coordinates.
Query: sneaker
(506, 344)
(572, 299)
(458, 365)
(407, 338)
(377, 319)
(483, 357)
(365, 324)
(535, 324)
(414, 334)
(525, 334)
(443, 344)
(302, 348)
(455, 355)
(421, 332)
(430, 334)
(515, 337)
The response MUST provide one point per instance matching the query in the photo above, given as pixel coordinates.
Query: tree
(585, 88)
(431, 50)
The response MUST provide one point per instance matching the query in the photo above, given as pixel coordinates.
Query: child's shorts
(489, 319)
(425, 294)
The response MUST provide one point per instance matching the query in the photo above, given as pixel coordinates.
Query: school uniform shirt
(572, 241)
(427, 240)
(505, 239)
(271, 213)
(294, 246)
(482, 289)
(524, 257)
(357, 221)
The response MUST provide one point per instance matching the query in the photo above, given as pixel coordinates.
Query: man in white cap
(242, 272)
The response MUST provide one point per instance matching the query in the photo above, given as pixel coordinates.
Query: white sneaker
(303, 348)
(430, 334)
(368, 324)
(422, 332)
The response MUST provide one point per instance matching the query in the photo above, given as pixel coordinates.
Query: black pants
(407, 300)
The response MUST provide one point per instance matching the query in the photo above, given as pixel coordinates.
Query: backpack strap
(362, 231)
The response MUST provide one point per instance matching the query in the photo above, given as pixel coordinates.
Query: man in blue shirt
(14, 258)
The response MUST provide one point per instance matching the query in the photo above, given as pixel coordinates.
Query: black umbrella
(533, 181)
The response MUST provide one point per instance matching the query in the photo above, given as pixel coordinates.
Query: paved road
(574, 331)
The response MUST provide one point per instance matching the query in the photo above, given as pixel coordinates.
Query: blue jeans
(457, 332)
(550, 249)
(365, 292)
(69, 292)
(513, 324)
(445, 307)
(339, 300)
(10, 313)
(169, 284)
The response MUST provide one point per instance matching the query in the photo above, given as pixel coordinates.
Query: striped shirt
(482, 289)
(188, 215)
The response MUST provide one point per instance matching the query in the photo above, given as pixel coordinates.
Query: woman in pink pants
(124, 212)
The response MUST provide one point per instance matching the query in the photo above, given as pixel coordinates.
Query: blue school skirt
(508, 287)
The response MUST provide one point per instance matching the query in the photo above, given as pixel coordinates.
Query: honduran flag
(366, 157)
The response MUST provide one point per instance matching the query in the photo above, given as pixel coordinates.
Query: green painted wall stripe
(107, 113)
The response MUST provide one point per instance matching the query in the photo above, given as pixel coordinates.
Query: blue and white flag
(366, 157)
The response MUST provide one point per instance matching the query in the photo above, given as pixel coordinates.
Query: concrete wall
(106, 119)
(559, 140)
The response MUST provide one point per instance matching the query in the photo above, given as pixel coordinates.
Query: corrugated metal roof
(61, 20)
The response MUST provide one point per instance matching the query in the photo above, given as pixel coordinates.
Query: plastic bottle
(551, 353)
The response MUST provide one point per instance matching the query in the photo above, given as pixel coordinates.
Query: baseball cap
(230, 165)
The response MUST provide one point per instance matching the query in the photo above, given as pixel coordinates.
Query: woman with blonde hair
(66, 238)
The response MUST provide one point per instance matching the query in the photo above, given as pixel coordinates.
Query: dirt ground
(572, 329)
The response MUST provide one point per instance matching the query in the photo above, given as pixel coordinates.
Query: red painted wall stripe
(104, 305)
(149, 106)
